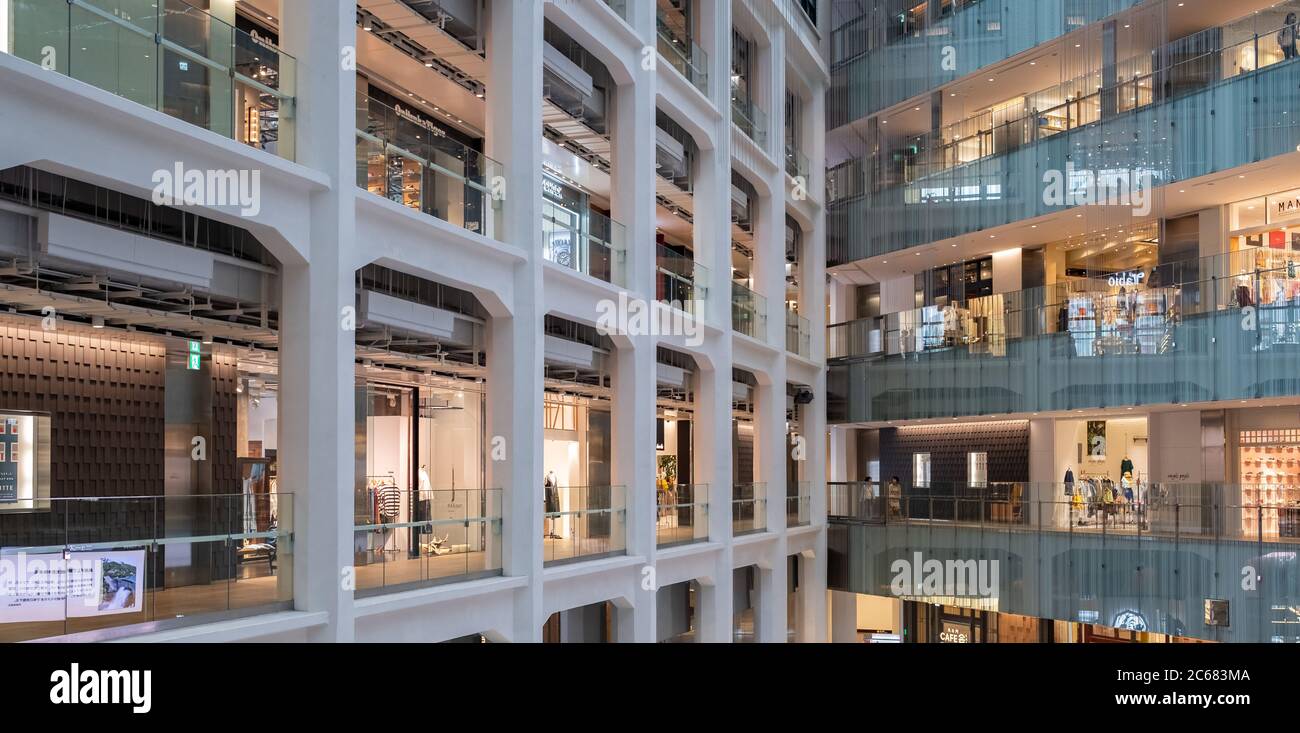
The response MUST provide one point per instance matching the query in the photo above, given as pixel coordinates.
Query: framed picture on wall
(1096, 440)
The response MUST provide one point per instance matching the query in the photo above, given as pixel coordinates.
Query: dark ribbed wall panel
(1007, 445)
(104, 395)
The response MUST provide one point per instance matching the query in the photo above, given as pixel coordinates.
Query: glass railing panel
(593, 244)
(1071, 552)
(265, 90)
(417, 166)
(684, 55)
(748, 116)
(748, 508)
(620, 7)
(583, 523)
(168, 56)
(90, 565)
(405, 539)
(798, 504)
(796, 163)
(1096, 317)
(748, 312)
(683, 514)
(798, 334)
(680, 281)
(1077, 103)
(119, 56)
(858, 500)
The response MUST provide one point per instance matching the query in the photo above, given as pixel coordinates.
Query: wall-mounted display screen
(24, 459)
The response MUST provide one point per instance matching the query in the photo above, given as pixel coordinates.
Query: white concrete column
(632, 195)
(812, 619)
(770, 456)
(317, 406)
(634, 469)
(633, 205)
(712, 435)
(1042, 475)
(514, 124)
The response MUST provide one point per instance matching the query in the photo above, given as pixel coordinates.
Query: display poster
(55, 586)
(16, 441)
(1097, 440)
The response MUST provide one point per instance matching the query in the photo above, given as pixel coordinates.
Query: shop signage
(56, 586)
(1130, 620)
(1284, 206)
(552, 189)
(1132, 277)
(410, 116)
(195, 360)
(955, 632)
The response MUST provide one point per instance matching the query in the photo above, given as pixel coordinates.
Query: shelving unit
(1270, 478)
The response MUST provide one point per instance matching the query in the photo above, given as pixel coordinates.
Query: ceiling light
(97, 322)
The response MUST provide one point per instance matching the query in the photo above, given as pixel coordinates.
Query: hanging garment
(389, 500)
(1125, 466)
(552, 497)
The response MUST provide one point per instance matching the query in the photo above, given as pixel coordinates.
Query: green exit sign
(195, 356)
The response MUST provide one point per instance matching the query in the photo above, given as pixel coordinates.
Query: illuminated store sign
(955, 632)
(1130, 621)
(1284, 206)
(1133, 277)
(195, 360)
(552, 189)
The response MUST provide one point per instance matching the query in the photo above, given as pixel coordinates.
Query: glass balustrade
(169, 56)
(798, 334)
(620, 7)
(584, 523)
(748, 116)
(1076, 103)
(1221, 327)
(70, 566)
(589, 242)
(748, 312)
(683, 54)
(798, 504)
(680, 281)
(411, 162)
(796, 163)
(683, 515)
(1069, 553)
(407, 539)
(748, 508)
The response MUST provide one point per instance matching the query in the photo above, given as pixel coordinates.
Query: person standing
(895, 495)
(1286, 38)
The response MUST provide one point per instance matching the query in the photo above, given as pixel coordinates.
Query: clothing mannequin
(425, 484)
(551, 498)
